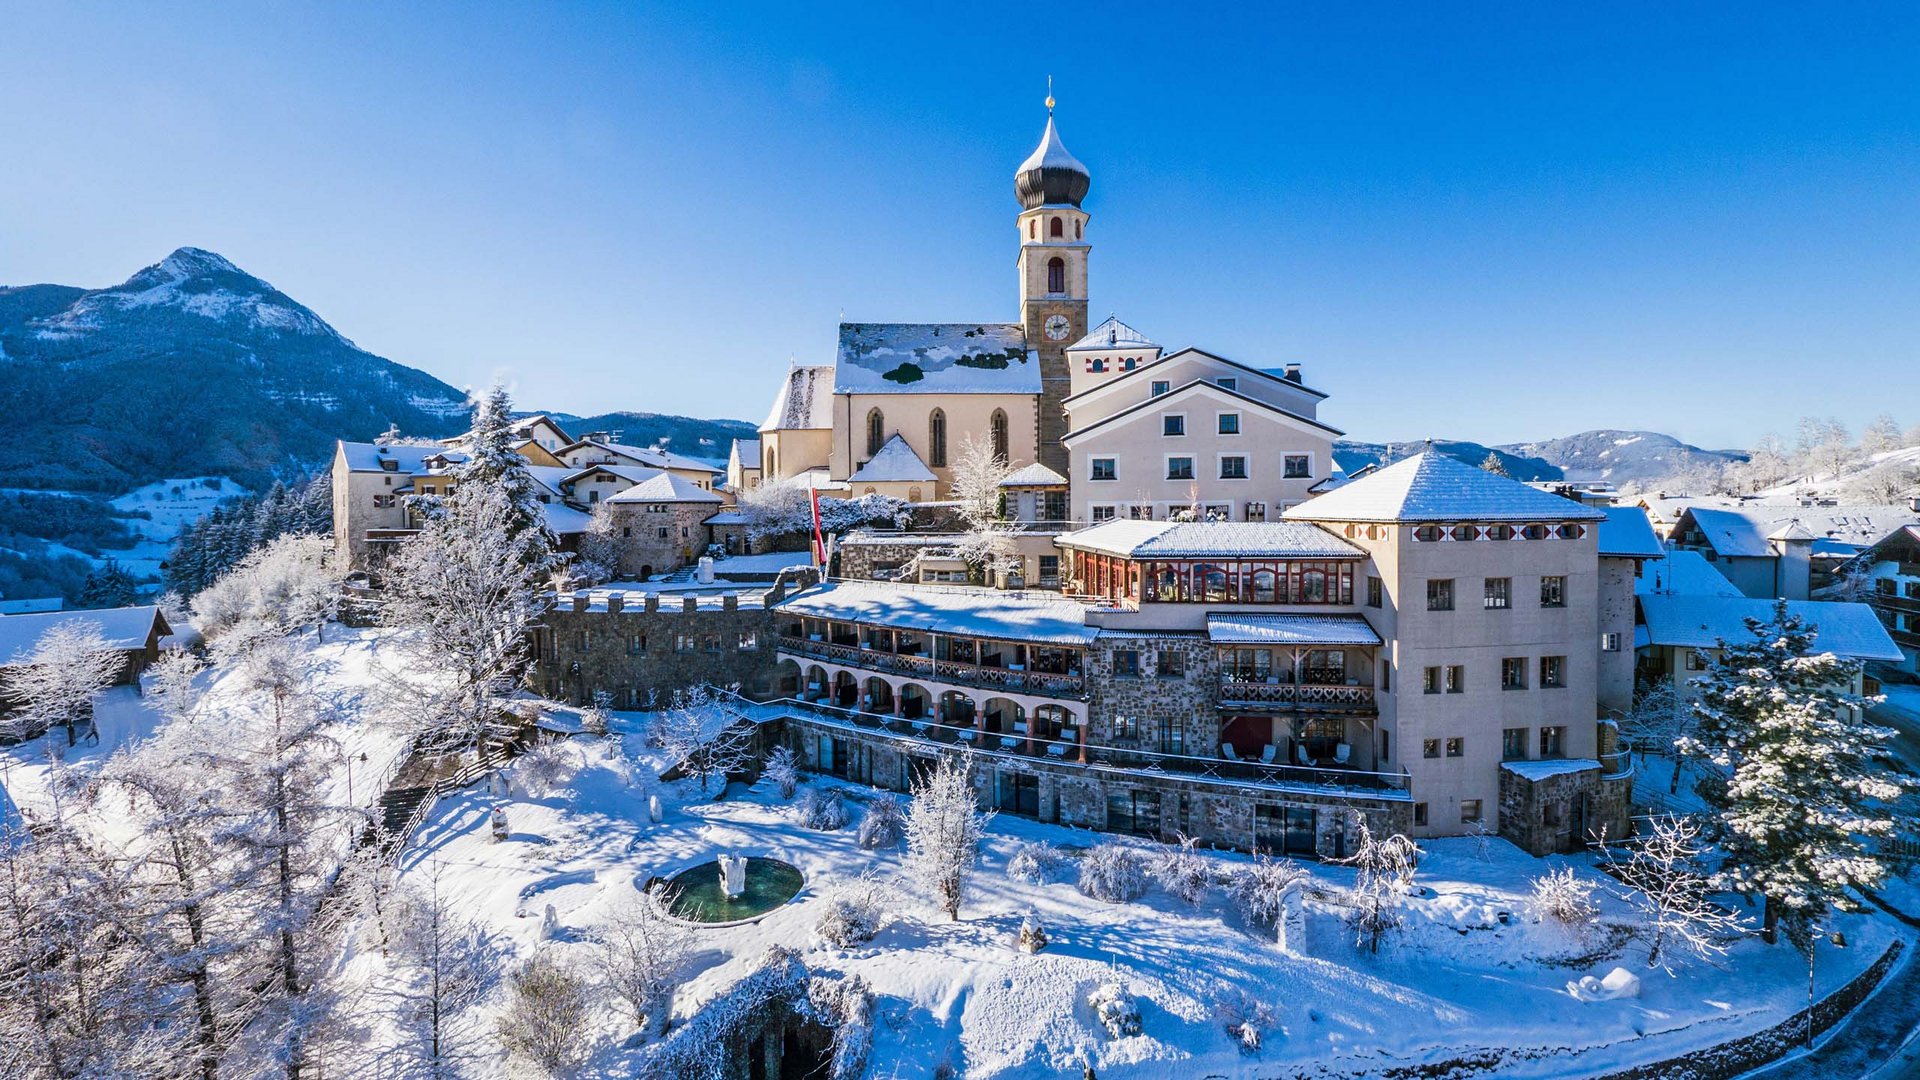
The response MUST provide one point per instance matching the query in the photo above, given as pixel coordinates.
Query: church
(1132, 431)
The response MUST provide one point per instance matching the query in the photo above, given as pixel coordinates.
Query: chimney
(1292, 373)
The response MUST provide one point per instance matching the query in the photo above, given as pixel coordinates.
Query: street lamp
(1839, 941)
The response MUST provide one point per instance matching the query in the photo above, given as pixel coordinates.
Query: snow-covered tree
(1886, 482)
(944, 827)
(855, 911)
(1666, 881)
(466, 591)
(1384, 874)
(642, 951)
(1256, 888)
(990, 543)
(1660, 721)
(1182, 871)
(290, 584)
(173, 684)
(109, 586)
(704, 736)
(54, 685)
(1494, 465)
(546, 1015)
(1803, 793)
(1035, 862)
(492, 463)
(823, 809)
(1564, 897)
(884, 824)
(1114, 873)
(599, 554)
(1881, 435)
(782, 770)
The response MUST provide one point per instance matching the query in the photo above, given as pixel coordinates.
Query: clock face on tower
(1057, 327)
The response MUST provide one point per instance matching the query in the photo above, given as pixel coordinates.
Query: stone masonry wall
(638, 650)
(1127, 711)
(641, 545)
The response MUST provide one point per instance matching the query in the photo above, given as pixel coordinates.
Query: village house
(1891, 571)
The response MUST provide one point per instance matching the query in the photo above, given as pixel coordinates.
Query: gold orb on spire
(1049, 94)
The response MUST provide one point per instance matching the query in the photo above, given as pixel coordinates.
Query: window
(997, 432)
(1433, 680)
(593, 496)
(1426, 534)
(748, 641)
(1173, 424)
(683, 643)
(583, 640)
(383, 502)
(711, 642)
(937, 438)
(1610, 641)
(1912, 590)
(1101, 468)
(1570, 531)
(1097, 365)
(876, 431)
(1229, 423)
(660, 533)
(1173, 738)
(1056, 275)
(1373, 592)
(1218, 511)
(1513, 744)
(637, 645)
(1049, 570)
(1457, 679)
(1430, 748)
(1499, 532)
(1125, 727)
(1464, 533)
(1227, 383)
(1440, 594)
(1497, 593)
(1160, 386)
(1696, 660)
(1553, 592)
(1456, 747)
(1233, 467)
(1169, 664)
(1553, 672)
(1513, 673)
(1100, 513)
(1553, 742)
(1179, 468)
(1126, 662)
(1535, 532)
(1297, 467)
(1056, 228)
(1140, 512)
(1469, 811)
(1420, 814)
(1033, 229)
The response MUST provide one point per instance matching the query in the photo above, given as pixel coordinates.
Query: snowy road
(1901, 711)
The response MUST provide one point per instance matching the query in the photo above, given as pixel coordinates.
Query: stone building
(642, 648)
(661, 524)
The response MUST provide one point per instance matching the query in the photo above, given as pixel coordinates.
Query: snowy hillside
(1623, 458)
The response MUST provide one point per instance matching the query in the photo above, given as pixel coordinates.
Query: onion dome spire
(1051, 176)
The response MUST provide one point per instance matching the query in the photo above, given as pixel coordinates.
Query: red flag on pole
(819, 541)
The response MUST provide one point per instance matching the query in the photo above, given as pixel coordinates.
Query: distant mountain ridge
(191, 367)
(1618, 457)
(688, 435)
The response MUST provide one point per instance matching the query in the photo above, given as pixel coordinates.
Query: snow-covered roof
(123, 628)
(1899, 540)
(1235, 628)
(1627, 534)
(649, 456)
(666, 487)
(1792, 531)
(975, 612)
(1210, 539)
(1051, 153)
(1731, 533)
(1196, 387)
(1034, 475)
(1701, 622)
(745, 453)
(894, 463)
(1546, 767)
(633, 474)
(805, 401)
(1685, 573)
(564, 520)
(1433, 487)
(935, 358)
(727, 517)
(1113, 334)
(367, 457)
(1858, 525)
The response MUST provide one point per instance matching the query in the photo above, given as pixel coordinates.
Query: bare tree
(599, 555)
(1660, 719)
(944, 827)
(989, 545)
(449, 961)
(175, 687)
(642, 951)
(546, 1015)
(1385, 874)
(704, 735)
(1664, 880)
(288, 585)
(54, 685)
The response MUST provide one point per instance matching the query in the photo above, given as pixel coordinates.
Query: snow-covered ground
(173, 505)
(1472, 973)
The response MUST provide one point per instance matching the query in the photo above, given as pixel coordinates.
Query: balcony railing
(1259, 693)
(1339, 782)
(986, 677)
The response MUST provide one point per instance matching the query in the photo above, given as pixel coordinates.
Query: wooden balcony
(1261, 695)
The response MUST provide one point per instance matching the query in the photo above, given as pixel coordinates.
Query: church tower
(1053, 276)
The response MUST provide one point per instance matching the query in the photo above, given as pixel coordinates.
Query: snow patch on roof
(1113, 334)
(1683, 572)
(1051, 153)
(1546, 767)
(666, 487)
(1702, 622)
(1211, 539)
(935, 358)
(1433, 487)
(123, 628)
(1034, 475)
(1627, 534)
(1291, 629)
(975, 612)
(805, 401)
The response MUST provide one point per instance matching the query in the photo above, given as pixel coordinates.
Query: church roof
(1052, 153)
(895, 462)
(1050, 176)
(805, 401)
(935, 358)
(1113, 334)
(1434, 487)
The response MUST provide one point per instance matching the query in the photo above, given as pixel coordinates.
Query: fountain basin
(699, 896)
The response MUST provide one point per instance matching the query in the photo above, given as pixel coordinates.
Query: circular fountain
(732, 888)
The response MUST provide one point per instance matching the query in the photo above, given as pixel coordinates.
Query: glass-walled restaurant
(1212, 581)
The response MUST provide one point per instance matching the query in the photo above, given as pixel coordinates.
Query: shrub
(883, 824)
(824, 810)
(542, 768)
(1560, 896)
(782, 770)
(1115, 1009)
(1035, 862)
(545, 1014)
(1183, 872)
(1112, 873)
(1246, 1019)
(1255, 888)
(854, 912)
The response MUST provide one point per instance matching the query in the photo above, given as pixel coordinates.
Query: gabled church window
(1056, 228)
(1056, 275)
(876, 431)
(937, 438)
(997, 429)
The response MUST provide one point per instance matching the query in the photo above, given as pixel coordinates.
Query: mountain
(709, 439)
(1620, 457)
(191, 367)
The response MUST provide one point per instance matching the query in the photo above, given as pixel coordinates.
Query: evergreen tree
(491, 460)
(109, 586)
(1494, 465)
(1801, 793)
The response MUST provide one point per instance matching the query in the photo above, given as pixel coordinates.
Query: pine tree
(492, 461)
(1494, 465)
(1801, 792)
(109, 586)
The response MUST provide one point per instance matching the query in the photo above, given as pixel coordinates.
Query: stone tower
(1053, 276)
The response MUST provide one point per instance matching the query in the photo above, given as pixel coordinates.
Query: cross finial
(1049, 95)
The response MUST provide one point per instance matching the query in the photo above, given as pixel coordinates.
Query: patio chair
(1268, 753)
(1058, 750)
(1300, 754)
(1341, 752)
(1008, 743)
(1226, 751)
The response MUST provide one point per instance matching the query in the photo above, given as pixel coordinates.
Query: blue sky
(1484, 221)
